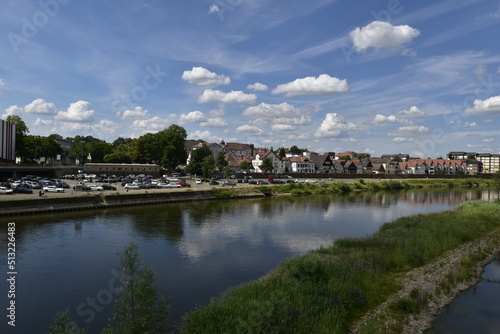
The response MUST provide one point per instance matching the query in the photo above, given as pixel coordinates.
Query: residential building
(302, 165)
(7, 142)
(323, 163)
(491, 162)
(238, 148)
(279, 165)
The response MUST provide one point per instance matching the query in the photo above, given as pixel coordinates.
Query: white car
(173, 185)
(131, 186)
(5, 190)
(53, 189)
(93, 187)
(198, 181)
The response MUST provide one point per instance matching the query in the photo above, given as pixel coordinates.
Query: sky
(378, 77)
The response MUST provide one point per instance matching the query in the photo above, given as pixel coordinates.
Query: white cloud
(2, 84)
(469, 125)
(272, 110)
(103, 126)
(400, 139)
(205, 135)
(283, 127)
(409, 131)
(213, 9)
(40, 106)
(481, 70)
(43, 122)
(77, 112)
(203, 77)
(322, 85)
(152, 124)
(413, 112)
(381, 35)
(303, 136)
(12, 110)
(248, 129)
(489, 106)
(488, 140)
(217, 96)
(257, 86)
(192, 117)
(215, 122)
(334, 125)
(391, 119)
(137, 113)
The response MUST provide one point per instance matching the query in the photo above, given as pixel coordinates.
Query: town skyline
(381, 77)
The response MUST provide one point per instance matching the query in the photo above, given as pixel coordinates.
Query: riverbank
(393, 281)
(22, 204)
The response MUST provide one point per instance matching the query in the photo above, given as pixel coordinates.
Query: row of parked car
(26, 185)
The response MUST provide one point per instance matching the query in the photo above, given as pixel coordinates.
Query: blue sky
(393, 76)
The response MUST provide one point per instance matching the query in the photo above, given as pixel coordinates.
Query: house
(214, 148)
(323, 163)
(491, 162)
(302, 165)
(238, 148)
(279, 166)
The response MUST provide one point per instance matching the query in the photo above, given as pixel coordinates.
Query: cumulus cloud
(401, 139)
(43, 122)
(469, 125)
(283, 127)
(488, 140)
(77, 112)
(257, 86)
(250, 129)
(12, 110)
(391, 119)
(216, 96)
(409, 131)
(322, 85)
(137, 113)
(192, 117)
(103, 126)
(205, 135)
(40, 106)
(379, 35)
(215, 122)
(334, 125)
(284, 116)
(413, 112)
(488, 106)
(152, 124)
(203, 77)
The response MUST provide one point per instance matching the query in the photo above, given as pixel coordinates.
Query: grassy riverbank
(329, 289)
(361, 184)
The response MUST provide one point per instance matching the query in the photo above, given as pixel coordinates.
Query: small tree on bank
(138, 308)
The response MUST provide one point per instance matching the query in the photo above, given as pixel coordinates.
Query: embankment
(103, 201)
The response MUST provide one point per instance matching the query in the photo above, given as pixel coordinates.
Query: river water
(198, 250)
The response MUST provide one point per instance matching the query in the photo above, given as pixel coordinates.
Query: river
(198, 250)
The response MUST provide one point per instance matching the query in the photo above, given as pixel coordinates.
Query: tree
(267, 165)
(471, 157)
(295, 150)
(282, 152)
(195, 163)
(174, 152)
(138, 308)
(496, 182)
(207, 166)
(397, 159)
(220, 161)
(244, 165)
(63, 324)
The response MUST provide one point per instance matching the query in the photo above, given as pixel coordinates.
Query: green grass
(326, 290)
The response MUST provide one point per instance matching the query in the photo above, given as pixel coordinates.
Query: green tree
(397, 159)
(63, 324)
(220, 161)
(244, 165)
(295, 150)
(138, 307)
(197, 156)
(496, 182)
(282, 152)
(471, 157)
(174, 152)
(207, 166)
(267, 165)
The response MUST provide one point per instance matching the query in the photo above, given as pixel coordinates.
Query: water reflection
(198, 249)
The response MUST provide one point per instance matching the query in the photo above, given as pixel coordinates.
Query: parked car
(184, 184)
(53, 189)
(198, 181)
(81, 187)
(22, 190)
(214, 183)
(94, 187)
(228, 183)
(5, 190)
(106, 186)
(173, 185)
(131, 186)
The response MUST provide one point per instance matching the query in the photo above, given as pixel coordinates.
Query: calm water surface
(198, 250)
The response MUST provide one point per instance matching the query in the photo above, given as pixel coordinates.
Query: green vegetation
(327, 290)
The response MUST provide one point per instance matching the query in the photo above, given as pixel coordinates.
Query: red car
(184, 184)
